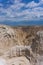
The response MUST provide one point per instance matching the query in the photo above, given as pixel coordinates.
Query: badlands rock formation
(21, 45)
(6, 38)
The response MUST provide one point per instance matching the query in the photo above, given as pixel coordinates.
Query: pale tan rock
(3, 61)
(12, 36)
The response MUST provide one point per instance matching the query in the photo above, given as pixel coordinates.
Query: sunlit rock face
(6, 38)
(31, 36)
(3, 61)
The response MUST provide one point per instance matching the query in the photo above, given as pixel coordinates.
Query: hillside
(21, 43)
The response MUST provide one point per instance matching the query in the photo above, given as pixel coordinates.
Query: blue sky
(21, 10)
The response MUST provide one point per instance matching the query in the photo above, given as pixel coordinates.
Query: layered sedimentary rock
(21, 42)
(6, 38)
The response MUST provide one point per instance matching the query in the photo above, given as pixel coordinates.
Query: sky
(21, 10)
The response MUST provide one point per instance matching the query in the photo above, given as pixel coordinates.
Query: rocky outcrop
(6, 38)
(22, 42)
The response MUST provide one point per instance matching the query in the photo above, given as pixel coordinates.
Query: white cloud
(15, 13)
(17, 1)
(32, 4)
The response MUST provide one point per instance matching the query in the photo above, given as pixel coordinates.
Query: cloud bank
(16, 10)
